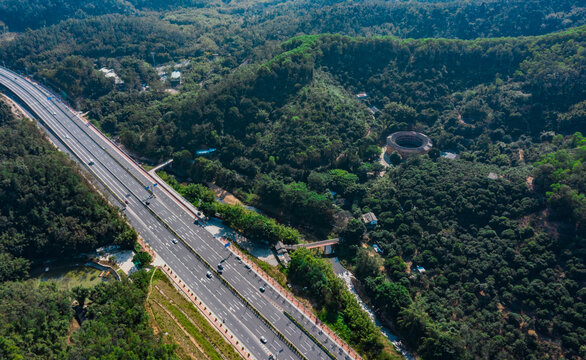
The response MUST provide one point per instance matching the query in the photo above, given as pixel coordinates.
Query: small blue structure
(420, 268)
(205, 152)
(377, 249)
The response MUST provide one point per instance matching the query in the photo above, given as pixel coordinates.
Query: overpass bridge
(313, 245)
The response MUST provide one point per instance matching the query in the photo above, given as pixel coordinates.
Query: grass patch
(164, 300)
(67, 278)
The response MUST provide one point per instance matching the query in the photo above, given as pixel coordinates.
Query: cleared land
(67, 278)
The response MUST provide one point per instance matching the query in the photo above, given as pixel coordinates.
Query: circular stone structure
(408, 143)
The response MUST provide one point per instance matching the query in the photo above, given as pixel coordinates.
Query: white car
(174, 241)
(263, 340)
(209, 275)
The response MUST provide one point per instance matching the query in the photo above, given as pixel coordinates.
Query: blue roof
(203, 152)
(376, 248)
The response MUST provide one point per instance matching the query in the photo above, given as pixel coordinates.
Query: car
(220, 272)
(147, 202)
(174, 241)
(263, 340)
(209, 275)
(262, 289)
(238, 258)
(126, 201)
(54, 113)
(220, 267)
(247, 266)
(271, 357)
(66, 136)
(90, 162)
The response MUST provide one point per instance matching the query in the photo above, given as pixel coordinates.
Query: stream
(394, 339)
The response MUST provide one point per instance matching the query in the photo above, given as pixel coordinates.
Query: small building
(492, 176)
(282, 253)
(361, 95)
(449, 155)
(377, 249)
(111, 74)
(175, 78)
(369, 219)
(421, 269)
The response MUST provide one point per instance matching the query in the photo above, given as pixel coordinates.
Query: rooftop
(369, 217)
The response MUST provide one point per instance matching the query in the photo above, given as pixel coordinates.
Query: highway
(169, 228)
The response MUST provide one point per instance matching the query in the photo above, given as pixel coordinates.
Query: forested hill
(463, 93)
(18, 15)
(47, 209)
(420, 19)
(504, 256)
(291, 129)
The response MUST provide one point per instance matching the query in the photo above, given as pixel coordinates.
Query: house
(377, 249)
(175, 78)
(361, 95)
(369, 219)
(111, 74)
(421, 269)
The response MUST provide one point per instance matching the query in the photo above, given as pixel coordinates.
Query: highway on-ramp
(170, 229)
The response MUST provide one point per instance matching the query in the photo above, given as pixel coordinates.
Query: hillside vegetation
(499, 83)
(47, 208)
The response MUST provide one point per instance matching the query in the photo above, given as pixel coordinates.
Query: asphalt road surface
(165, 219)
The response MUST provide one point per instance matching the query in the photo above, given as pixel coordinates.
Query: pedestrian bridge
(312, 245)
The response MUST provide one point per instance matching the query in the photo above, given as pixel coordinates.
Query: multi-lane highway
(169, 228)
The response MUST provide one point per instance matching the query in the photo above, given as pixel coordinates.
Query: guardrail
(208, 314)
(277, 286)
(234, 291)
(309, 334)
